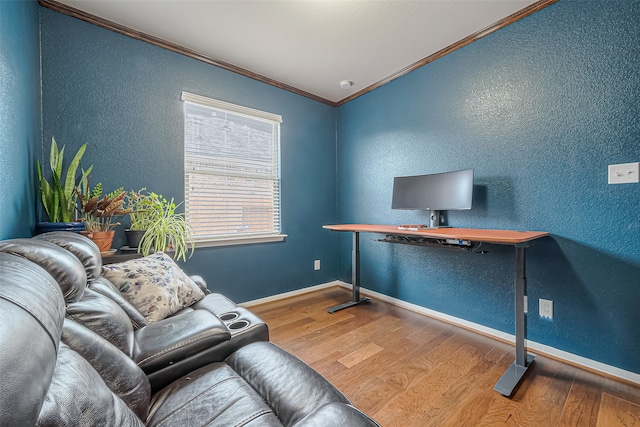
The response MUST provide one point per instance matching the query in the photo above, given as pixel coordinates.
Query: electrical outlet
(624, 173)
(546, 308)
(316, 264)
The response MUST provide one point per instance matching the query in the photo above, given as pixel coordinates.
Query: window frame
(249, 238)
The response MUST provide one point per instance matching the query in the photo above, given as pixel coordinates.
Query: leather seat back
(92, 309)
(31, 313)
(89, 256)
(77, 395)
(106, 288)
(44, 381)
(121, 374)
(104, 317)
(61, 264)
(82, 247)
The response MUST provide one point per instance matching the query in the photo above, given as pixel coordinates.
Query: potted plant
(98, 212)
(142, 206)
(58, 197)
(163, 228)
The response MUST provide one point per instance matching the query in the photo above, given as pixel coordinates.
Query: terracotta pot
(101, 238)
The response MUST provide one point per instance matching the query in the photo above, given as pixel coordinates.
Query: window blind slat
(232, 184)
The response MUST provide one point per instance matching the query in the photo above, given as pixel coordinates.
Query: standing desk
(519, 239)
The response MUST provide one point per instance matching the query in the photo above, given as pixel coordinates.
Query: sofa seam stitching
(199, 337)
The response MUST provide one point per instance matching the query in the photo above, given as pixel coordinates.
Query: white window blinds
(232, 179)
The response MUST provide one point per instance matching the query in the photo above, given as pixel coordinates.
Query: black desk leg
(355, 277)
(508, 382)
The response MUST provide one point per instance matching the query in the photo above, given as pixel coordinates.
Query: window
(231, 172)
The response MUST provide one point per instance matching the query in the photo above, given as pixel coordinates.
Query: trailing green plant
(165, 229)
(59, 197)
(144, 207)
(98, 210)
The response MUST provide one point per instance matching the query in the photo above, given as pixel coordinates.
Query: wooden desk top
(510, 237)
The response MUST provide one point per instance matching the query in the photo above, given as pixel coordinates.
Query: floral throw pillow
(154, 285)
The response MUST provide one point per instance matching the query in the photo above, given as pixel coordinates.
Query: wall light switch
(624, 173)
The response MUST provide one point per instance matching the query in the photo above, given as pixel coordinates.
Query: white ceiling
(310, 45)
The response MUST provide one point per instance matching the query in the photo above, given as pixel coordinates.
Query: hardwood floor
(406, 369)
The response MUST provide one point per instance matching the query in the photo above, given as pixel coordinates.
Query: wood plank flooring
(406, 369)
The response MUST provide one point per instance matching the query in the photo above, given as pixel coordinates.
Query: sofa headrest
(65, 268)
(82, 247)
(31, 317)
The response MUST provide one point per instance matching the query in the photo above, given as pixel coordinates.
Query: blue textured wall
(122, 97)
(538, 109)
(19, 116)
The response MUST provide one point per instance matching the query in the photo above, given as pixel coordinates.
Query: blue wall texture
(19, 116)
(122, 97)
(538, 109)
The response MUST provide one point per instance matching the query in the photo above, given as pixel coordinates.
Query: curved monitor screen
(439, 191)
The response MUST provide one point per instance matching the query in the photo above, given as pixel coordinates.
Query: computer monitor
(434, 192)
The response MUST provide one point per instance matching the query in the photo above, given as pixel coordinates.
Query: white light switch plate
(624, 173)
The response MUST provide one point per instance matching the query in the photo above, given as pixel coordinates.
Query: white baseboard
(293, 293)
(532, 346)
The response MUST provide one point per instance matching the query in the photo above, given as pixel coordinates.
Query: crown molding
(109, 25)
(156, 41)
(523, 13)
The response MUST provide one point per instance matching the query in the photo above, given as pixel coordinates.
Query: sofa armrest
(202, 284)
(245, 328)
(337, 414)
(161, 344)
(289, 386)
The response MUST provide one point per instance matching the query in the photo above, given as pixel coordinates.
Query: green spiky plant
(59, 197)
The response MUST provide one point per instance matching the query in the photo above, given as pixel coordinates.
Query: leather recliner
(57, 371)
(165, 350)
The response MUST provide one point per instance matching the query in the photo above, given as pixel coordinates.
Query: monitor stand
(434, 220)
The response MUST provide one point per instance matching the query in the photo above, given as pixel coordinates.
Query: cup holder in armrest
(230, 319)
(227, 317)
(238, 325)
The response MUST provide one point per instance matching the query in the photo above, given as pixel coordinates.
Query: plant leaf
(55, 206)
(45, 192)
(58, 166)
(53, 155)
(70, 181)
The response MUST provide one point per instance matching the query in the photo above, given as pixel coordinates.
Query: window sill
(233, 240)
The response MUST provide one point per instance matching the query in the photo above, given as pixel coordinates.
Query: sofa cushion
(154, 285)
(213, 395)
